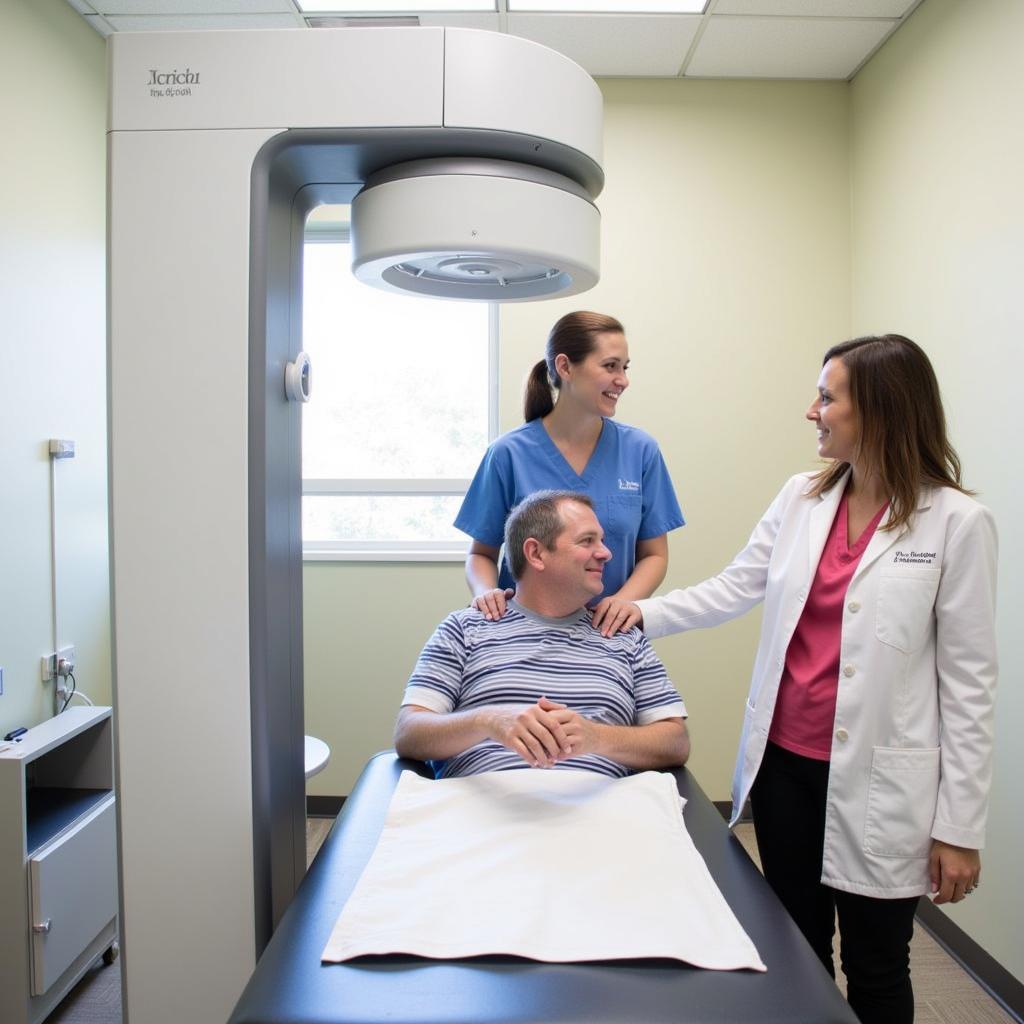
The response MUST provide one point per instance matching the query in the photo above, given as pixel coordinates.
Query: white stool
(317, 756)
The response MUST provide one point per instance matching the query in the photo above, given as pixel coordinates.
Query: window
(403, 406)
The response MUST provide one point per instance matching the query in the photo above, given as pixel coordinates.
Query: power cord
(69, 694)
(74, 692)
(66, 670)
(81, 695)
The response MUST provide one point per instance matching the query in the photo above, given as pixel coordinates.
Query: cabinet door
(72, 894)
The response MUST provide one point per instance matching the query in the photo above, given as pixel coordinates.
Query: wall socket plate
(49, 662)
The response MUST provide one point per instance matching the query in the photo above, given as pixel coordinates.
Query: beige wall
(364, 624)
(938, 249)
(52, 350)
(725, 252)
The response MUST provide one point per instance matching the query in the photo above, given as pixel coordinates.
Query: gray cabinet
(58, 860)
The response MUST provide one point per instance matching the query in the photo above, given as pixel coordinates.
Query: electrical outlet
(49, 662)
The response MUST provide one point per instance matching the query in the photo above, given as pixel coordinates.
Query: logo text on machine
(172, 83)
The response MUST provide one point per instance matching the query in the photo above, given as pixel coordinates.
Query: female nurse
(866, 742)
(570, 442)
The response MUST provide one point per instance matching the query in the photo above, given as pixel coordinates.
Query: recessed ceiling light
(393, 6)
(610, 6)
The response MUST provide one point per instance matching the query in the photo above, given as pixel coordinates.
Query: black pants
(788, 801)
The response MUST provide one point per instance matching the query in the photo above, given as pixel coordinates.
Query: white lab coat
(912, 738)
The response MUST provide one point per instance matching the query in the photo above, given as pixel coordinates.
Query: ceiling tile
(817, 8)
(189, 22)
(393, 7)
(82, 6)
(736, 47)
(613, 45)
(139, 7)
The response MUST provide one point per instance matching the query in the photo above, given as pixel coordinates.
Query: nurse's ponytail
(572, 337)
(537, 401)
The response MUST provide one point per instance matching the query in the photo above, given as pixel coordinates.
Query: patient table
(291, 986)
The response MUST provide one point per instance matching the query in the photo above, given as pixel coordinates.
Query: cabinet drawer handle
(44, 927)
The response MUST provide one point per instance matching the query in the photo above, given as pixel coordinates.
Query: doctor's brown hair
(896, 398)
(573, 337)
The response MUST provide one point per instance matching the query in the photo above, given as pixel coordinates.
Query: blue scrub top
(626, 478)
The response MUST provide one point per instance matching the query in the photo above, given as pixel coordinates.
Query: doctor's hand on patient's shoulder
(955, 872)
(616, 615)
(492, 603)
(534, 732)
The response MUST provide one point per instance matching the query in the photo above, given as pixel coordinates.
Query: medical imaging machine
(471, 160)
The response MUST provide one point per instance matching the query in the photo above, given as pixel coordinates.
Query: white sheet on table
(553, 865)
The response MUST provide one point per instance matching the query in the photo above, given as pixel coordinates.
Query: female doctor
(572, 443)
(866, 741)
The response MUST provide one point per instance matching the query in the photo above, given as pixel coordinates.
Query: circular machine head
(491, 230)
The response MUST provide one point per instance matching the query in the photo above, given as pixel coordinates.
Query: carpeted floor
(96, 999)
(944, 992)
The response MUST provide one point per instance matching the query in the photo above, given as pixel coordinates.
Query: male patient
(541, 687)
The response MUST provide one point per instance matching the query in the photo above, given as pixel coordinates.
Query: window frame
(398, 551)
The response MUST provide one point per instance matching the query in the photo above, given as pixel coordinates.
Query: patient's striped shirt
(471, 662)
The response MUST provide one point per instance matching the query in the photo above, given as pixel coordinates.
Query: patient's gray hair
(539, 516)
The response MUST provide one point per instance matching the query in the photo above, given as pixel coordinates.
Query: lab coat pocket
(902, 791)
(906, 598)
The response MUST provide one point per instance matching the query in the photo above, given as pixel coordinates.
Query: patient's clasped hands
(542, 734)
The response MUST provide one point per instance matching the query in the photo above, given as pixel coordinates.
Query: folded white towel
(551, 865)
